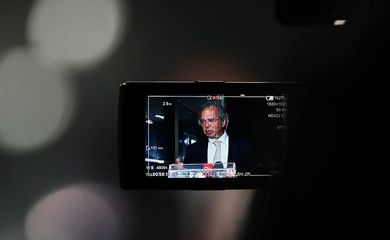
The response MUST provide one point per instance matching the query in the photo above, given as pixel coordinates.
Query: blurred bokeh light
(36, 102)
(81, 211)
(217, 215)
(78, 33)
(212, 67)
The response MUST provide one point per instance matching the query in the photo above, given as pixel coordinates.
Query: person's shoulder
(198, 144)
(194, 152)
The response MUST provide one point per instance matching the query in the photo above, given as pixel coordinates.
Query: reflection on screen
(180, 135)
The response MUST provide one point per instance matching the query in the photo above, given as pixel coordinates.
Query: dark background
(65, 185)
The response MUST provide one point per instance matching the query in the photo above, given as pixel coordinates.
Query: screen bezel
(131, 116)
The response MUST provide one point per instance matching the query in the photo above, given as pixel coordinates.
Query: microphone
(207, 169)
(218, 164)
(207, 165)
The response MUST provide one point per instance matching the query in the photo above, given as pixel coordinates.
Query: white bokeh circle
(74, 32)
(81, 211)
(36, 102)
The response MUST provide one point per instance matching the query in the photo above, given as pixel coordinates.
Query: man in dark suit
(218, 146)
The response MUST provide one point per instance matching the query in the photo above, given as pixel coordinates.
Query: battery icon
(269, 98)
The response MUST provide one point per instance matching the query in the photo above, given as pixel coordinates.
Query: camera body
(164, 135)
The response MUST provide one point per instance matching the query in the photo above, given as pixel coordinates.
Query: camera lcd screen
(180, 131)
(192, 135)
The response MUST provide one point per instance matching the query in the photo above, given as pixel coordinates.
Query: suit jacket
(239, 152)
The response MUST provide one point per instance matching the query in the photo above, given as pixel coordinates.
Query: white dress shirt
(224, 148)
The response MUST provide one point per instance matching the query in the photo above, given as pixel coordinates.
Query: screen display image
(215, 135)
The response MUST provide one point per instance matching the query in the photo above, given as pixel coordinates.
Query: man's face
(212, 129)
